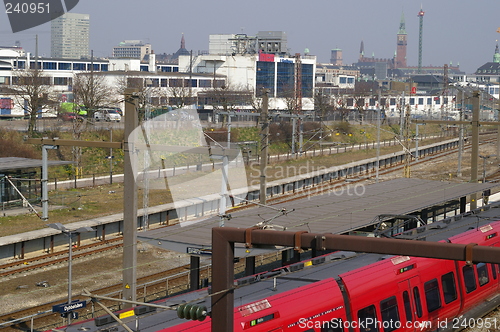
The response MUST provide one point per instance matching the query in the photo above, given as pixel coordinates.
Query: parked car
(70, 116)
(107, 115)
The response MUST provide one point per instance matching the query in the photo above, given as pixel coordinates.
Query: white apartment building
(132, 49)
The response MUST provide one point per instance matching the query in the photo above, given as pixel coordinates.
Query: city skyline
(461, 31)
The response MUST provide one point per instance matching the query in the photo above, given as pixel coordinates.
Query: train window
(334, 325)
(449, 288)
(494, 271)
(469, 278)
(432, 297)
(368, 317)
(389, 311)
(482, 272)
(418, 304)
(407, 304)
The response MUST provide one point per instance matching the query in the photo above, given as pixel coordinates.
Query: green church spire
(496, 56)
(402, 25)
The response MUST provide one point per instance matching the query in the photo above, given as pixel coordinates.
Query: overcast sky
(457, 31)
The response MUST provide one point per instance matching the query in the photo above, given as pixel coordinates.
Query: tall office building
(70, 36)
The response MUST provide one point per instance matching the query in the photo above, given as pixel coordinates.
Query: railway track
(42, 261)
(159, 285)
(322, 188)
(33, 263)
(45, 319)
(156, 287)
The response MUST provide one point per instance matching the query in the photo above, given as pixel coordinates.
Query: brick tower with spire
(401, 44)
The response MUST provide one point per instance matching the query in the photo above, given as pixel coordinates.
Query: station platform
(351, 209)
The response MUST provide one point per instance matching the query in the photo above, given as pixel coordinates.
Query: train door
(411, 295)
(495, 270)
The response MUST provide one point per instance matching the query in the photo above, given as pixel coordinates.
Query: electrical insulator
(191, 311)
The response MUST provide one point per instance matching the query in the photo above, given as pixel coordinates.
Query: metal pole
(402, 116)
(294, 123)
(416, 143)
(484, 169)
(498, 128)
(222, 283)
(264, 146)
(130, 200)
(417, 138)
(475, 145)
(223, 190)
(111, 157)
(461, 137)
(45, 192)
(45, 180)
(70, 257)
(229, 131)
(301, 136)
(378, 138)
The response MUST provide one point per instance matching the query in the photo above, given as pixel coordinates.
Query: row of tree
(91, 91)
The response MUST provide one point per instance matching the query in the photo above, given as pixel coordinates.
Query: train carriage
(398, 293)
(349, 292)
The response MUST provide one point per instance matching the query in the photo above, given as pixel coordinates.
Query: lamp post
(484, 164)
(69, 233)
(417, 153)
(110, 157)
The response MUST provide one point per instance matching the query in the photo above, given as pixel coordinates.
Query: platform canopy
(349, 208)
(16, 163)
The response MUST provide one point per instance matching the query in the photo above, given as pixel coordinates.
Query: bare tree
(227, 97)
(255, 102)
(323, 103)
(179, 93)
(340, 106)
(359, 103)
(91, 91)
(33, 93)
(145, 91)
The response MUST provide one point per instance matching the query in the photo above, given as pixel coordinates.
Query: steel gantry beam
(224, 238)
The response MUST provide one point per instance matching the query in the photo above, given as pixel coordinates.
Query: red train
(395, 294)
